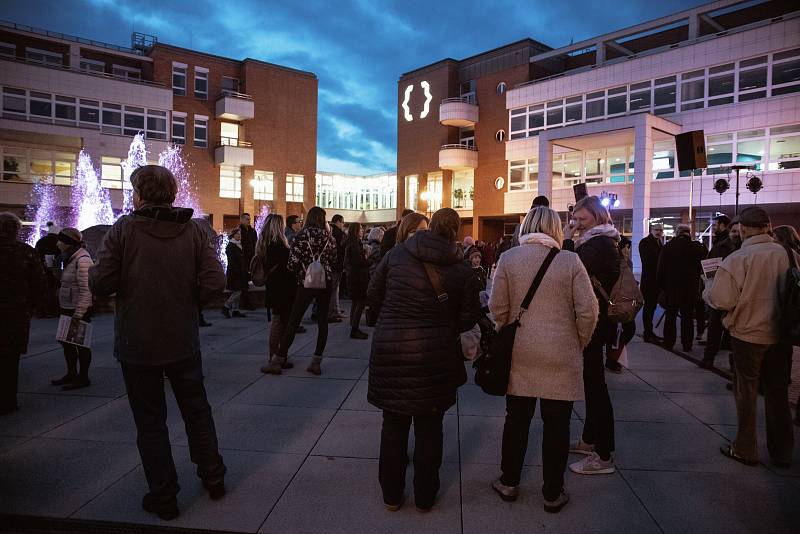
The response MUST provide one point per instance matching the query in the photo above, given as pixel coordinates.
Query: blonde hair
(542, 220)
(272, 231)
(409, 224)
(594, 206)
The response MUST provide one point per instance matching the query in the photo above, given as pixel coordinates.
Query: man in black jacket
(249, 238)
(47, 249)
(337, 229)
(160, 265)
(649, 251)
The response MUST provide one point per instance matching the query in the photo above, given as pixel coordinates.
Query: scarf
(538, 238)
(235, 242)
(607, 230)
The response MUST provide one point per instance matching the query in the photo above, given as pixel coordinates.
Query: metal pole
(737, 190)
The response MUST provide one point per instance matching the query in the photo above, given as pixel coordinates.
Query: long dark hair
(353, 229)
(315, 218)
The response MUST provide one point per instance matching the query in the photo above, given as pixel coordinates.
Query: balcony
(458, 157)
(235, 106)
(234, 152)
(460, 112)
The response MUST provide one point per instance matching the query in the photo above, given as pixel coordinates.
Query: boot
(358, 334)
(66, 379)
(314, 366)
(274, 367)
(226, 312)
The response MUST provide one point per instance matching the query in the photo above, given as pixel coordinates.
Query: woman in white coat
(547, 362)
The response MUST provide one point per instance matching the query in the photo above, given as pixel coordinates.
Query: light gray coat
(548, 349)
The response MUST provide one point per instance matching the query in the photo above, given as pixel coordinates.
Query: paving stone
(473, 401)
(597, 504)
(294, 391)
(39, 413)
(55, 477)
(632, 405)
(679, 381)
(347, 499)
(626, 380)
(715, 409)
(724, 503)
(336, 368)
(9, 442)
(106, 381)
(254, 481)
(729, 433)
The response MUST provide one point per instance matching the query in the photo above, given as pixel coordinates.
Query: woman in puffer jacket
(313, 241)
(374, 239)
(416, 366)
(597, 246)
(75, 300)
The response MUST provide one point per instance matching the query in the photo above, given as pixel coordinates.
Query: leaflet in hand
(77, 333)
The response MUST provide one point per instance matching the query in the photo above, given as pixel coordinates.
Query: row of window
(42, 166)
(48, 57)
(760, 77)
(776, 149)
(462, 190)
(230, 184)
(180, 74)
(357, 192)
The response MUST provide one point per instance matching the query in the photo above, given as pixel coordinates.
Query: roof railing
(66, 37)
(81, 71)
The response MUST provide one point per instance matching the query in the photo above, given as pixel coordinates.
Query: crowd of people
(423, 290)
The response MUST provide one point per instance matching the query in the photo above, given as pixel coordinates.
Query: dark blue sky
(357, 48)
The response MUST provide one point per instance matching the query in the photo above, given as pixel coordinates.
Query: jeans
(145, 387)
(648, 311)
(687, 325)
(394, 456)
(598, 427)
(9, 376)
(276, 331)
(717, 335)
(700, 316)
(74, 353)
(356, 310)
(772, 365)
(233, 300)
(301, 301)
(555, 441)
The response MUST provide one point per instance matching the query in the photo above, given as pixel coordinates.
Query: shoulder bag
(493, 367)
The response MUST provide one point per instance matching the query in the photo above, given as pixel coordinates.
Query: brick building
(486, 134)
(248, 128)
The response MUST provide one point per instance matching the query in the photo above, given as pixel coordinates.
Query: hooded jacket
(162, 268)
(236, 275)
(415, 365)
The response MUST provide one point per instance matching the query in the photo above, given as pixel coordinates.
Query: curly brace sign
(426, 106)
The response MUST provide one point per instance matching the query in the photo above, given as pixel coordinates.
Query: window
(89, 113)
(595, 105)
(463, 189)
(555, 113)
(752, 78)
(15, 165)
(750, 147)
(466, 137)
(179, 79)
(263, 185)
(133, 120)
(15, 101)
(230, 84)
(501, 88)
(111, 172)
(594, 166)
(574, 110)
(8, 49)
(468, 91)
(201, 83)
(112, 118)
(66, 110)
(46, 57)
(721, 85)
(516, 175)
(640, 97)
(719, 152)
(63, 168)
(294, 188)
(92, 65)
(229, 134)
(412, 192)
(664, 94)
(618, 100)
(156, 124)
(784, 148)
(201, 131)
(664, 159)
(178, 128)
(517, 125)
(230, 181)
(127, 73)
(536, 117)
(40, 106)
(786, 72)
(37, 166)
(692, 90)
(434, 191)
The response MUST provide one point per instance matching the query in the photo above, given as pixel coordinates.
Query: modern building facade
(525, 120)
(370, 199)
(247, 128)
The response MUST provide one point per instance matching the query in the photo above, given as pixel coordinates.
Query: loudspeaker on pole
(580, 191)
(690, 148)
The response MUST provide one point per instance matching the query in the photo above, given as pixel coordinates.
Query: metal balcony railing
(234, 94)
(66, 37)
(232, 141)
(67, 68)
(458, 146)
(460, 100)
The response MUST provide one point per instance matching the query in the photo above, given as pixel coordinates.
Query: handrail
(66, 37)
(234, 94)
(232, 141)
(459, 99)
(458, 146)
(82, 71)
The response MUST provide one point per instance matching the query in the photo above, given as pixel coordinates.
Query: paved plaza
(302, 451)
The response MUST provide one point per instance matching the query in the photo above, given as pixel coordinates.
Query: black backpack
(790, 309)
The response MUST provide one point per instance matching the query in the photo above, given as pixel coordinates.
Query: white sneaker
(581, 448)
(593, 465)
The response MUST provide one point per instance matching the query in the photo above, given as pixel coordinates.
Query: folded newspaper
(76, 333)
(710, 266)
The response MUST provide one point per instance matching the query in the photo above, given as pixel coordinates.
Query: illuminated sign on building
(426, 106)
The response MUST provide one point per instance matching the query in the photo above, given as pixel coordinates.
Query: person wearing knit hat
(74, 300)
(747, 287)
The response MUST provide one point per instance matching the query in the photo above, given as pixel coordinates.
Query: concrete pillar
(600, 54)
(546, 168)
(74, 55)
(694, 26)
(643, 176)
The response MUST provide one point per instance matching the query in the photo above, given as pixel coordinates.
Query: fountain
(137, 157)
(41, 209)
(172, 159)
(91, 201)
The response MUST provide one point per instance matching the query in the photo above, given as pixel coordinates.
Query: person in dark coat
(726, 242)
(596, 245)
(357, 268)
(416, 366)
(679, 273)
(335, 312)
(236, 275)
(21, 281)
(649, 251)
(47, 249)
(248, 238)
(160, 265)
(390, 237)
(280, 288)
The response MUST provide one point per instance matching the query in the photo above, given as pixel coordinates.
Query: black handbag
(493, 366)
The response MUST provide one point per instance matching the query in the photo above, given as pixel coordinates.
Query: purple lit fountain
(172, 159)
(43, 208)
(137, 157)
(90, 201)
